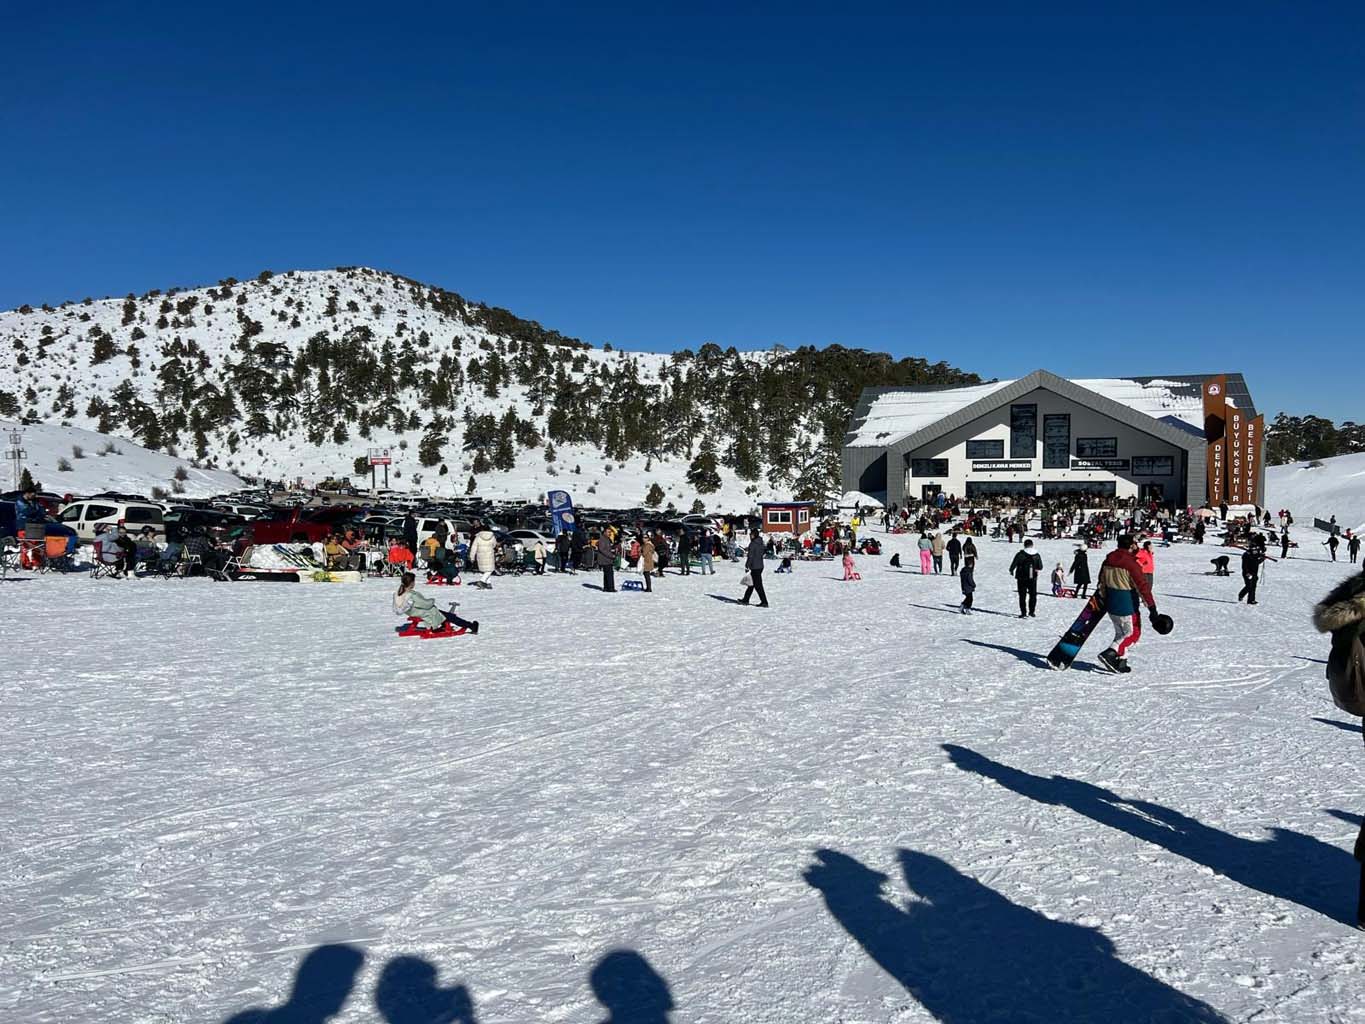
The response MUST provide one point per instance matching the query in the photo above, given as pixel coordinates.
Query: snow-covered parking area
(856, 806)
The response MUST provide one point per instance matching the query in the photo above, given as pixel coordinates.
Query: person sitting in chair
(127, 551)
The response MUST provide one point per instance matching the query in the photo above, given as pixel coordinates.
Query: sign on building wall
(1110, 464)
(1251, 458)
(1236, 457)
(1001, 465)
(1215, 412)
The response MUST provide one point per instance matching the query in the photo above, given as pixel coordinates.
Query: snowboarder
(1080, 572)
(753, 564)
(1122, 584)
(411, 602)
(954, 547)
(1342, 613)
(1025, 568)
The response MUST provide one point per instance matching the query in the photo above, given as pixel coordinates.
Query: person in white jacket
(484, 551)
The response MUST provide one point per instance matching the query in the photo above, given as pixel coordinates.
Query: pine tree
(702, 474)
(655, 495)
(472, 486)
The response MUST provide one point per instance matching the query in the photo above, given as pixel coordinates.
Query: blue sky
(1089, 192)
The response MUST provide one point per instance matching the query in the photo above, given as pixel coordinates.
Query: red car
(311, 523)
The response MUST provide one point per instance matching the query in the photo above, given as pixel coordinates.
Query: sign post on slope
(380, 457)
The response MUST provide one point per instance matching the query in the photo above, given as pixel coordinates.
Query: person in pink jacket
(849, 573)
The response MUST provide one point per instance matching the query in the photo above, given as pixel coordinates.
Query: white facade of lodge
(1039, 436)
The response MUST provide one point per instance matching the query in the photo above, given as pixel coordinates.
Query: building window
(804, 516)
(928, 467)
(982, 489)
(1079, 489)
(779, 517)
(1057, 441)
(1097, 447)
(985, 449)
(1023, 431)
(1153, 465)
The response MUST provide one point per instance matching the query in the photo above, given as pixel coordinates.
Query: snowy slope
(108, 463)
(1335, 487)
(55, 378)
(660, 774)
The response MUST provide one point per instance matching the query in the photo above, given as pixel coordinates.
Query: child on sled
(415, 605)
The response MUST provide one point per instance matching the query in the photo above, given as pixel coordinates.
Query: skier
(1122, 584)
(954, 548)
(1025, 568)
(1252, 558)
(967, 577)
(1080, 572)
(753, 563)
(1342, 613)
(409, 601)
(1331, 545)
(926, 550)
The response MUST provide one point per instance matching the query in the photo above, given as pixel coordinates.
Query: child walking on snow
(849, 573)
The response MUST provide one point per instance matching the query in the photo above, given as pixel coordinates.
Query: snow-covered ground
(106, 463)
(1334, 487)
(856, 806)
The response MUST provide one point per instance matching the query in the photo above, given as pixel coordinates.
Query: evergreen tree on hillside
(655, 496)
(702, 474)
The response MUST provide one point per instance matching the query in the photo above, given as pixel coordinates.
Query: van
(92, 516)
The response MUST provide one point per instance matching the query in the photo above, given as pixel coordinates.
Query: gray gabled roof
(1060, 385)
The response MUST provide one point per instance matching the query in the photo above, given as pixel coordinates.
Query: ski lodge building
(1178, 440)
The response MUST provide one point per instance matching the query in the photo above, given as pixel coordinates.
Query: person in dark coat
(1252, 558)
(1025, 568)
(1080, 572)
(606, 558)
(1342, 613)
(577, 543)
(1331, 543)
(684, 553)
(1353, 548)
(954, 548)
(967, 577)
(1284, 543)
(754, 564)
(410, 532)
(562, 542)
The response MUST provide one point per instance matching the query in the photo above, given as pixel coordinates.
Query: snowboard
(1074, 638)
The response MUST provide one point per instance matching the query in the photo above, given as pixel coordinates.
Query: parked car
(312, 523)
(91, 516)
(10, 526)
(184, 522)
(527, 539)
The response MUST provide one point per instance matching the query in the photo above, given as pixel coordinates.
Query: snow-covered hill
(1321, 489)
(296, 375)
(69, 460)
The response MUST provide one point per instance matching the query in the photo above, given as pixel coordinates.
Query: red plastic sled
(437, 580)
(415, 628)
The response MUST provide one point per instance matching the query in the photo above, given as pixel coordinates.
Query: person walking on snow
(1080, 572)
(1025, 568)
(484, 551)
(967, 577)
(1147, 560)
(937, 548)
(1123, 585)
(1252, 558)
(954, 548)
(1284, 543)
(1353, 548)
(753, 565)
(926, 550)
(1331, 544)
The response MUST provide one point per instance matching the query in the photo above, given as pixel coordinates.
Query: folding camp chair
(56, 556)
(9, 556)
(106, 560)
(33, 547)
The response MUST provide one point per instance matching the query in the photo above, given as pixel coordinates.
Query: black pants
(966, 600)
(1028, 597)
(684, 563)
(608, 578)
(1249, 589)
(457, 622)
(952, 563)
(756, 588)
(649, 584)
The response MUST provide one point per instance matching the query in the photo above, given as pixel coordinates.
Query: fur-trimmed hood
(1344, 606)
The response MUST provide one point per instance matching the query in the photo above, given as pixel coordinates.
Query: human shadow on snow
(1289, 866)
(1191, 597)
(956, 609)
(1031, 657)
(1348, 726)
(408, 991)
(971, 956)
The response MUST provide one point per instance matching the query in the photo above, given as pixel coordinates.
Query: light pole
(16, 454)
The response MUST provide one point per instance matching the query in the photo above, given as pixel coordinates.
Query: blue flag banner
(561, 512)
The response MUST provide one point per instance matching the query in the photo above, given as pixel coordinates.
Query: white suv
(92, 516)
